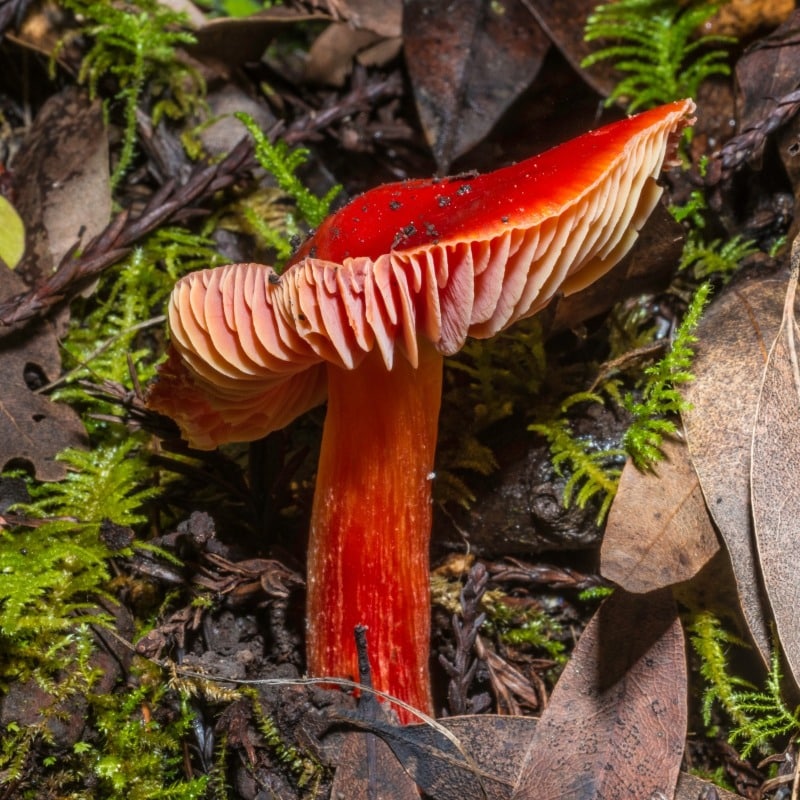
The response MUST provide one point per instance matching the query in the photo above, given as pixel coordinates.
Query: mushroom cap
(444, 259)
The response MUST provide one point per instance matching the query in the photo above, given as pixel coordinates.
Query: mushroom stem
(371, 523)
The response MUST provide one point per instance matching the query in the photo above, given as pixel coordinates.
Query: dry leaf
(616, 721)
(33, 429)
(496, 745)
(767, 72)
(733, 340)
(239, 40)
(334, 52)
(384, 17)
(468, 61)
(564, 23)
(690, 787)
(62, 181)
(365, 767)
(773, 469)
(658, 531)
(744, 18)
(463, 757)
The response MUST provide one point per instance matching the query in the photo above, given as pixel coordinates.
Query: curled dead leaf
(468, 61)
(658, 531)
(616, 721)
(773, 475)
(733, 341)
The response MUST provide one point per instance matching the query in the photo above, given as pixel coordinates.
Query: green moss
(134, 44)
(306, 771)
(659, 401)
(111, 333)
(53, 572)
(532, 628)
(282, 163)
(760, 717)
(656, 46)
(134, 753)
(592, 470)
(140, 757)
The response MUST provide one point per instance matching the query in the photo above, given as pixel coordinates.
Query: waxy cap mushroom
(365, 312)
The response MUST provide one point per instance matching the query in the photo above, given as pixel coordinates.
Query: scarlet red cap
(444, 259)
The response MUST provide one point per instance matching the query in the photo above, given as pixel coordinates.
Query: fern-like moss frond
(54, 573)
(761, 717)
(715, 259)
(106, 330)
(653, 414)
(767, 717)
(592, 472)
(282, 163)
(656, 47)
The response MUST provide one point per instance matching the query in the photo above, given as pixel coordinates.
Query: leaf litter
(773, 475)
(622, 695)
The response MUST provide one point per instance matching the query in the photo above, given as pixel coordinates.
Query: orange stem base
(370, 527)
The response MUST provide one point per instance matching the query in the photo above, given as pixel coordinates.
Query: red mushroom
(366, 311)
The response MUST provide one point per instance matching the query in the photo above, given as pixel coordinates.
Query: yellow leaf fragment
(12, 235)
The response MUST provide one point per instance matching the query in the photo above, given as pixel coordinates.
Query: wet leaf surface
(366, 767)
(616, 721)
(471, 756)
(658, 531)
(475, 757)
(767, 72)
(564, 23)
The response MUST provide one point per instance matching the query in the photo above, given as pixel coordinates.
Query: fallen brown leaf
(766, 99)
(743, 18)
(773, 470)
(496, 745)
(62, 181)
(238, 40)
(468, 60)
(339, 46)
(564, 22)
(384, 17)
(767, 72)
(33, 429)
(733, 341)
(658, 531)
(616, 722)
(366, 767)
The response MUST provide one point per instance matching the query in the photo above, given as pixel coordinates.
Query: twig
(362, 96)
(462, 668)
(543, 575)
(170, 202)
(745, 145)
